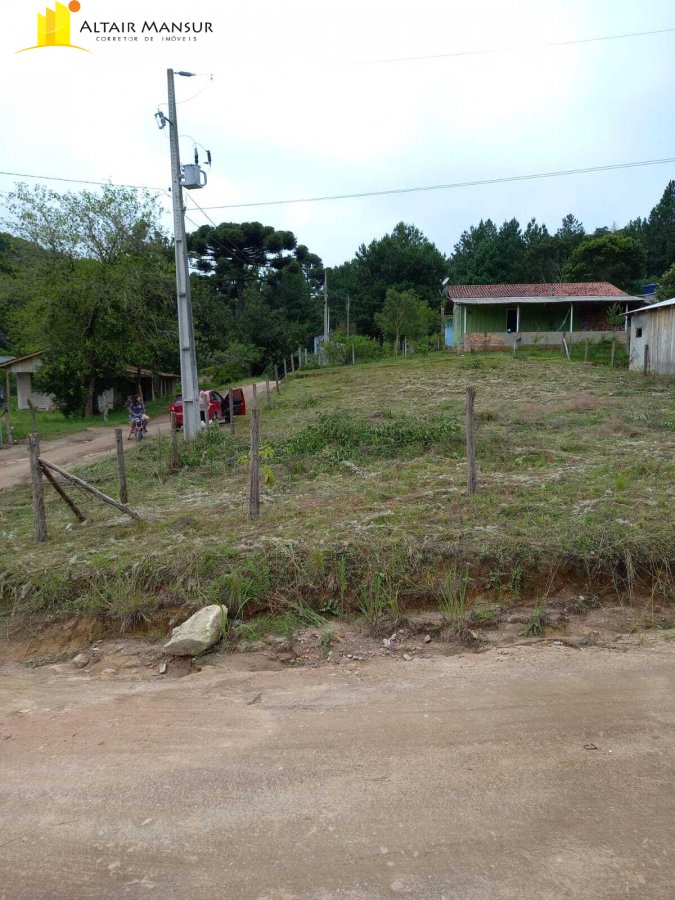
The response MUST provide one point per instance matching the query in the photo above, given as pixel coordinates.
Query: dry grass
(576, 475)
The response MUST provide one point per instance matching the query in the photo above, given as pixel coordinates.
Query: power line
(162, 191)
(233, 250)
(139, 187)
(516, 48)
(457, 184)
(205, 214)
(406, 190)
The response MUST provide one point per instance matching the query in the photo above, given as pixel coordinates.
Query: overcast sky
(302, 105)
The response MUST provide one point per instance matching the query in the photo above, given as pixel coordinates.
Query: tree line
(406, 261)
(89, 278)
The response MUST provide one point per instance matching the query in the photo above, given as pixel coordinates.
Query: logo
(53, 28)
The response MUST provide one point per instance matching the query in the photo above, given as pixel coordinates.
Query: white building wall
(658, 332)
(638, 339)
(25, 392)
(662, 340)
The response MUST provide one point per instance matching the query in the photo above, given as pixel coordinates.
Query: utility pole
(326, 312)
(188, 358)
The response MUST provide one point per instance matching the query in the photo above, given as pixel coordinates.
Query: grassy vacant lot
(366, 508)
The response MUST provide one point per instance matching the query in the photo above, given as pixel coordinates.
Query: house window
(638, 332)
(512, 319)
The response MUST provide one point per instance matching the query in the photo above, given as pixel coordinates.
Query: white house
(23, 368)
(152, 384)
(652, 338)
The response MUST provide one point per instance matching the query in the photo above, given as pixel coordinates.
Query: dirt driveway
(529, 772)
(75, 449)
(72, 449)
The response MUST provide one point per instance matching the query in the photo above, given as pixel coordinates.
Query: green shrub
(227, 373)
(210, 444)
(452, 598)
(344, 436)
(338, 350)
(600, 353)
(536, 624)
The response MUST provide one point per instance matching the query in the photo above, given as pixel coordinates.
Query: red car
(219, 406)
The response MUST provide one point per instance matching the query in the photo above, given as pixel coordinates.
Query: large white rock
(198, 633)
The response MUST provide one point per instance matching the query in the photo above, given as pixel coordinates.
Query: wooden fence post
(121, 470)
(78, 482)
(611, 361)
(353, 354)
(268, 393)
(36, 487)
(8, 397)
(293, 364)
(276, 377)
(62, 494)
(646, 363)
(174, 461)
(285, 369)
(254, 392)
(254, 466)
(586, 350)
(33, 419)
(470, 447)
(231, 396)
(299, 357)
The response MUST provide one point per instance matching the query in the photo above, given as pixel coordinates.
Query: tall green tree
(610, 257)
(403, 260)
(476, 245)
(100, 294)
(487, 254)
(290, 291)
(538, 245)
(18, 258)
(403, 315)
(558, 251)
(235, 255)
(255, 286)
(660, 233)
(666, 288)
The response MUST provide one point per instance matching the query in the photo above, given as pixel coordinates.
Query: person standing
(204, 403)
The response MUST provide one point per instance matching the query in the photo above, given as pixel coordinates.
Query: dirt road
(529, 772)
(72, 449)
(75, 449)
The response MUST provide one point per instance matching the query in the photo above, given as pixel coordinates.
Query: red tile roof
(568, 289)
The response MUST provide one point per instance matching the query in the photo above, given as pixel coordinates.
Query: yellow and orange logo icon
(53, 28)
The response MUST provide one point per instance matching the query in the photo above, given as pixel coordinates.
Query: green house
(497, 316)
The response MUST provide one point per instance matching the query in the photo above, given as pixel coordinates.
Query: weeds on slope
(368, 510)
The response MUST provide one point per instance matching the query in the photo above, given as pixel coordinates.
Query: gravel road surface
(532, 772)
